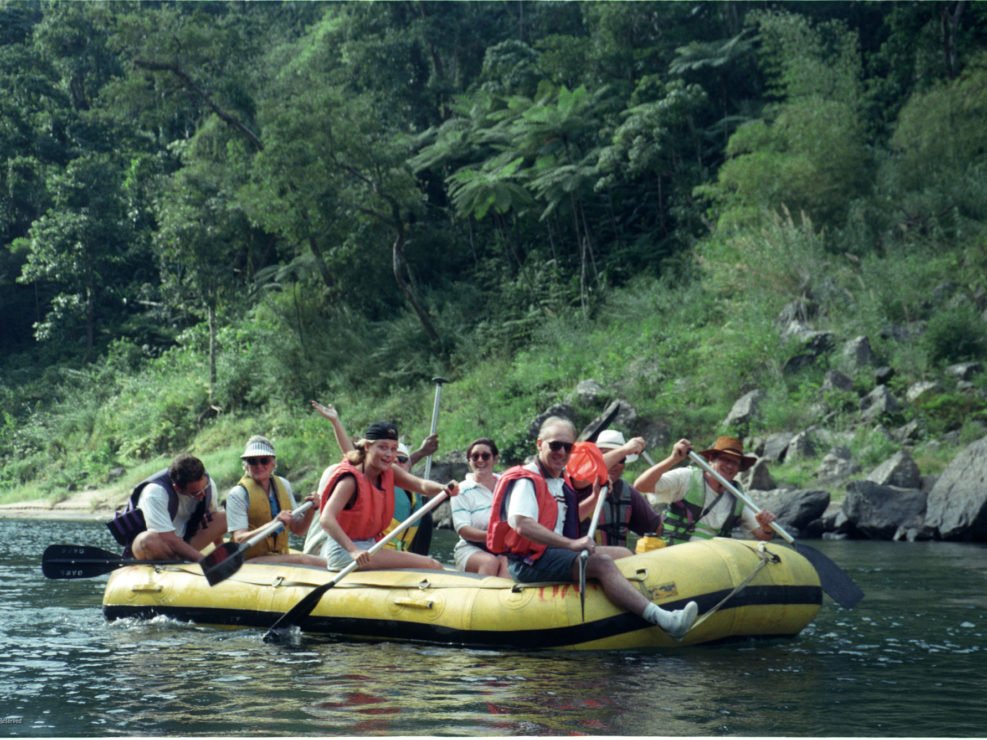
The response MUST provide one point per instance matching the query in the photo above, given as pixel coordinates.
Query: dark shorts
(555, 564)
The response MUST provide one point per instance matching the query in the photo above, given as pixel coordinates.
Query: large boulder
(898, 470)
(857, 353)
(877, 512)
(794, 509)
(775, 446)
(958, 500)
(744, 411)
(837, 465)
(880, 403)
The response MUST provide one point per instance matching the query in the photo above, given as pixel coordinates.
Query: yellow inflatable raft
(744, 589)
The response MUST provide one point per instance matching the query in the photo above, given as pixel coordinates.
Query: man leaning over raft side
(179, 507)
(699, 506)
(527, 520)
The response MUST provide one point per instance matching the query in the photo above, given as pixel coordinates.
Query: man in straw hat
(699, 505)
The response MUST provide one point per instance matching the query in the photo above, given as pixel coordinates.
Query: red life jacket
(370, 510)
(501, 537)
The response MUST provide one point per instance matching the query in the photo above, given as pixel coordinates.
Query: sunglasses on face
(402, 458)
(480, 456)
(258, 461)
(555, 445)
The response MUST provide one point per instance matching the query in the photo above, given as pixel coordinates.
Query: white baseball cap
(611, 439)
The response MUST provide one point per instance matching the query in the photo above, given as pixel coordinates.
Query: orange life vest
(501, 536)
(370, 510)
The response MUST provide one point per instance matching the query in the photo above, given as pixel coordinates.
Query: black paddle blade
(834, 579)
(298, 612)
(590, 433)
(222, 562)
(77, 561)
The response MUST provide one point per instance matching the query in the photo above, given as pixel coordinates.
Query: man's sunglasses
(258, 460)
(556, 446)
(480, 456)
(402, 459)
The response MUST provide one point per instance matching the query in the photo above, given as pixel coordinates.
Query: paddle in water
(303, 608)
(83, 561)
(834, 580)
(226, 559)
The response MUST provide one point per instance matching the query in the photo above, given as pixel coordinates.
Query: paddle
(305, 606)
(834, 580)
(226, 559)
(593, 431)
(82, 561)
(435, 420)
(584, 555)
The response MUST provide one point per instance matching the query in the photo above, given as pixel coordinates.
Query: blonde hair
(358, 454)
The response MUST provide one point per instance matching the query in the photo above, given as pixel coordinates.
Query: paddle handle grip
(704, 464)
(435, 420)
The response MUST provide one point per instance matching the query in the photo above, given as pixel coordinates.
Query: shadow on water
(909, 661)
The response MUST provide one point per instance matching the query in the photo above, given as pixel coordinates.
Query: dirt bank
(97, 505)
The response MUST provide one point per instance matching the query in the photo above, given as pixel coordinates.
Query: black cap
(381, 430)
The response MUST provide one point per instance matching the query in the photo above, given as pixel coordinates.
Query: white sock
(656, 615)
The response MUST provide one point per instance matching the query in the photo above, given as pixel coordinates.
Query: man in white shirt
(179, 508)
(538, 508)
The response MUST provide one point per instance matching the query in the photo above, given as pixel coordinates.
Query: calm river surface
(911, 660)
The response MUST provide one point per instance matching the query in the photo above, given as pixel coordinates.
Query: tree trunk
(320, 262)
(407, 289)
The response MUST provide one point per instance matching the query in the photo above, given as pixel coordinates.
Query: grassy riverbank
(680, 351)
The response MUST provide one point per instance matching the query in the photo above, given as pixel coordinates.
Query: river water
(910, 660)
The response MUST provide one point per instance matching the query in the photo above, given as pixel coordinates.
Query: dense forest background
(213, 212)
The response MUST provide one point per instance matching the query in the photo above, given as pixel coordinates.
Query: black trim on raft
(391, 629)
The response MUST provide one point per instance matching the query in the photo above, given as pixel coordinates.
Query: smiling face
(481, 458)
(726, 465)
(382, 453)
(259, 468)
(554, 446)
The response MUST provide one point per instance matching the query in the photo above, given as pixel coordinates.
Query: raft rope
(765, 557)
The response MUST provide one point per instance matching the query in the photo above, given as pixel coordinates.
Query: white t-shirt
(673, 486)
(471, 508)
(153, 502)
(524, 502)
(238, 504)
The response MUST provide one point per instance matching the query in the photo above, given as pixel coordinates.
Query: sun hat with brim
(403, 449)
(258, 446)
(729, 446)
(611, 439)
(586, 465)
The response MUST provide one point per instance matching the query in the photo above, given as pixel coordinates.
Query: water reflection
(907, 662)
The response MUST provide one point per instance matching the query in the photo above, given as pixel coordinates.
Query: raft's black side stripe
(383, 629)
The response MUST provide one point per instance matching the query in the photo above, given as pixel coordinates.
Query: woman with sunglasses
(258, 499)
(471, 512)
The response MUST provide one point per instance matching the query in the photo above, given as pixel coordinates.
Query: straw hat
(729, 446)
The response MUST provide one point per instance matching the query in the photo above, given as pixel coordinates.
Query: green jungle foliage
(212, 212)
